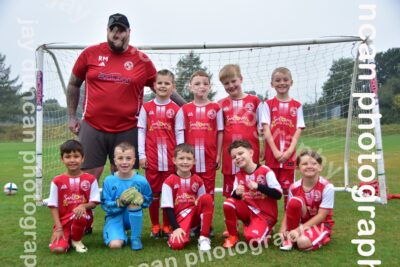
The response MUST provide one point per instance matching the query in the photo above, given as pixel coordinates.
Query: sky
(27, 24)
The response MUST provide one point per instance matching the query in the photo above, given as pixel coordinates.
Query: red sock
(165, 221)
(230, 217)
(78, 228)
(206, 209)
(154, 210)
(293, 213)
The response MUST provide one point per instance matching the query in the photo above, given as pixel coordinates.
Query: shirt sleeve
(180, 127)
(94, 192)
(328, 197)
(300, 118)
(147, 194)
(53, 198)
(201, 191)
(220, 120)
(81, 66)
(259, 115)
(266, 114)
(167, 200)
(151, 72)
(272, 182)
(108, 204)
(142, 127)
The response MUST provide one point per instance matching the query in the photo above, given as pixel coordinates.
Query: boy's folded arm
(271, 192)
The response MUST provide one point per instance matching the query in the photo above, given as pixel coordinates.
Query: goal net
(324, 73)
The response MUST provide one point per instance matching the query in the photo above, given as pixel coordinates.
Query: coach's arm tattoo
(73, 94)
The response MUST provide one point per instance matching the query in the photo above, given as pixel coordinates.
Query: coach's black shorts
(97, 145)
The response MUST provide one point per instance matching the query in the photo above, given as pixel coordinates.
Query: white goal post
(325, 74)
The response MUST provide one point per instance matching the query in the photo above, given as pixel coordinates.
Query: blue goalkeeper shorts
(115, 228)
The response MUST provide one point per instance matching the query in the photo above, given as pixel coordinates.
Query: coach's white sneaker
(204, 243)
(79, 246)
(286, 245)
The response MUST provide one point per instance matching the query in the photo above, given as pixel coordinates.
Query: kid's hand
(252, 185)
(178, 233)
(239, 190)
(79, 211)
(277, 154)
(57, 235)
(217, 162)
(143, 163)
(285, 156)
(293, 235)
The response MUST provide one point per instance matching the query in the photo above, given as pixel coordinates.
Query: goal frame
(46, 48)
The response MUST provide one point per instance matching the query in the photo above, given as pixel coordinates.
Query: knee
(115, 244)
(80, 221)
(294, 203)
(229, 204)
(59, 250)
(206, 200)
(303, 243)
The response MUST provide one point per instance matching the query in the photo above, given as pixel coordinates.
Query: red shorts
(209, 180)
(190, 218)
(228, 185)
(285, 177)
(256, 226)
(319, 235)
(64, 243)
(156, 179)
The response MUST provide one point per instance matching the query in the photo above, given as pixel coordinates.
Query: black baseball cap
(118, 19)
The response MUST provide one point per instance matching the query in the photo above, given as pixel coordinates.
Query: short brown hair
(71, 146)
(166, 72)
(309, 153)
(183, 148)
(125, 146)
(239, 143)
(281, 70)
(229, 71)
(200, 73)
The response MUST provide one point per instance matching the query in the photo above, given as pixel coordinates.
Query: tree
(387, 65)
(389, 101)
(185, 67)
(336, 90)
(10, 98)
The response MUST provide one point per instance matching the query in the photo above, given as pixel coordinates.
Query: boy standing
(283, 121)
(186, 202)
(202, 123)
(124, 195)
(241, 114)
(157, 140)
(73, 195)
(254, 197)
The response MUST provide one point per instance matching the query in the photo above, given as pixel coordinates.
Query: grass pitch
(17, 242)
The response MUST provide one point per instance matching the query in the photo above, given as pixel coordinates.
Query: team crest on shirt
(85, 185)
(317, 196)
(249, 106)
(128, 65)
(211, 114)
(195, 187)
(170, 113)
(293, 111)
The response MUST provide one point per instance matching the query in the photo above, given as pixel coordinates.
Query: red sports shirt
(67, 193)
(258, 202)
(181, 193)
(240, 122)
(159, 122)
(114, 86)
(283, 118)
(320, 196)
(201, 125)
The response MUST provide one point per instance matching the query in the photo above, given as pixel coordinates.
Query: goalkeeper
(124, 195)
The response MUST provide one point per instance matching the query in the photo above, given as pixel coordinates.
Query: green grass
(340, 252)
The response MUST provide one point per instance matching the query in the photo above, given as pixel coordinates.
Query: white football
(10, 189)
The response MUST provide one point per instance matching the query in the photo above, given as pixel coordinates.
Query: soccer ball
(10, 189)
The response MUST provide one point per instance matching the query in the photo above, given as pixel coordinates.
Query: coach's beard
(114, 48)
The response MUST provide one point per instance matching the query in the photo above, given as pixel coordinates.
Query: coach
(115, 74)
